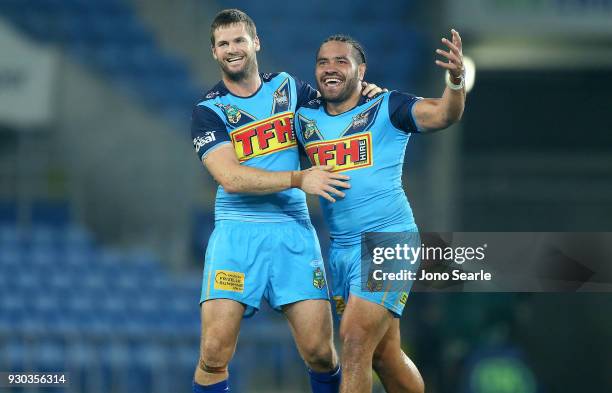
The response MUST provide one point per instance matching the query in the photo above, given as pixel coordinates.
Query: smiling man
(263, 245)
(368, 138)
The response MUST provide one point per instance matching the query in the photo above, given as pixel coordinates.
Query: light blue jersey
(368, 143)
(260, 128)
(263, 246)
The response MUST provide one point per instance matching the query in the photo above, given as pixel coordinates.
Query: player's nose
(232, 48)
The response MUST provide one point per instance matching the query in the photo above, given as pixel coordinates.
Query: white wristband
(451, 85)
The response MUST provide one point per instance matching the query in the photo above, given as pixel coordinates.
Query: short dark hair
(230, 17)
(348, 40)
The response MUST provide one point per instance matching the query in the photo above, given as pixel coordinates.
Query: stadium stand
(383, 31)
(116, 320)
(109, 37)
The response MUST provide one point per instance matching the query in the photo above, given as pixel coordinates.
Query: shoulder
(268, 76)
(397, 98)
(314, 104)
(219, 90)
(207, 107)
(275, 76)
(281, 77)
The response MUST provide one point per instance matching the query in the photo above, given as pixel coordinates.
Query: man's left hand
(454, 56)
(371, 90)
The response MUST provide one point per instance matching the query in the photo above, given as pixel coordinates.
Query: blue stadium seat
(10, 256)
(43, 235)
(51, 213)
(50, 355)
(14, 355)
(8, 212)
(76, 236)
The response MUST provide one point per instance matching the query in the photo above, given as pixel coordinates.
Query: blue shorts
(345, 264)
(279, 261)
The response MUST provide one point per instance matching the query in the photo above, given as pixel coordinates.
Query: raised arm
(432, 114)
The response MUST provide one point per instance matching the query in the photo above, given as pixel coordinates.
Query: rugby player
(263, 244)
(368, 137)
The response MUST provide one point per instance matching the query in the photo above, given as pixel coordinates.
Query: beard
(250, 65)
(350, 84)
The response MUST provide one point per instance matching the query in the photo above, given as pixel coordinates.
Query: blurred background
(105, 210)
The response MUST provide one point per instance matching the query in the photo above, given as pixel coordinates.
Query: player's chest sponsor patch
(350, 152)
(264, 137)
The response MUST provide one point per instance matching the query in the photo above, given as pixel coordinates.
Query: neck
(336, 108)
(243, 87)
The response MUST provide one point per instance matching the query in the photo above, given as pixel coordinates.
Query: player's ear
(212, 49)
(361, 69)
(256, 43)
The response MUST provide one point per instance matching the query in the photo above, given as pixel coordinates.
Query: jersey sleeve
(305, 93)
(207, 130)
(400, 111)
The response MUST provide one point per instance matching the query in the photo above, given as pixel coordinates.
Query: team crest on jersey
(364, 120)
(231, 112)
(264, 137)
(349, 152)
(360, 120)
(281, 98)
(310, 128)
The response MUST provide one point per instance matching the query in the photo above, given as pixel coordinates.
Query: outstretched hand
(454, 65)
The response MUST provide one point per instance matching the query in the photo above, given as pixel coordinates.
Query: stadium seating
(396, 51)
(108, 36)
(117, 320)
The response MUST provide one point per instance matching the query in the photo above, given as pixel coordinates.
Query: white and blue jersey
(263, 246)
(367, 143)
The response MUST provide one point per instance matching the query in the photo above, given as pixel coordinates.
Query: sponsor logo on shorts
(374, 285)
(264, 137)
(318, 278)
(340, 305)
(404, 298)
(226, 280)
(351, 152)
